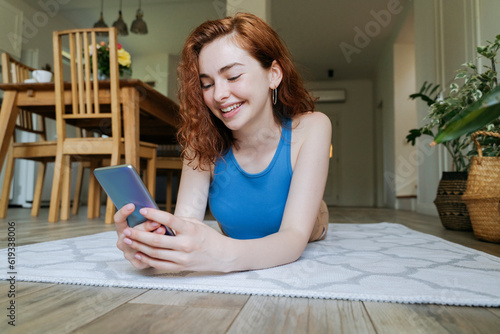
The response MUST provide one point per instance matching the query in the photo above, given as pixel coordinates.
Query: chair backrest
(14, 71)
(82, 46)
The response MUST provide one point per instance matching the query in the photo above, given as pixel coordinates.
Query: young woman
(253, 149)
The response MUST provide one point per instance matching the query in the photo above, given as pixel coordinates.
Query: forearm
(273, 250)
(192, 196)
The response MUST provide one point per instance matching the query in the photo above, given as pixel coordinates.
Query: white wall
(152, 68)
(489, 25)
(405, 118)
(394, 82)
(356, 161)
(38, 24)
(384, 97)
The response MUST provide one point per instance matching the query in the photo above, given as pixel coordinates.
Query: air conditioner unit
(330, 95)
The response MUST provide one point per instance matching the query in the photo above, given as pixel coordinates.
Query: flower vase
(125, 75)
(102, 76)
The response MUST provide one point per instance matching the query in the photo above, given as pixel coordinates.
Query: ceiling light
(119, 24)
(139, 26)
(101, 23)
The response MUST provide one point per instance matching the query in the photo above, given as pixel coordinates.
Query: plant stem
(493, 67)
(450, 151)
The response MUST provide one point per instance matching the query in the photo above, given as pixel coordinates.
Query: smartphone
(123, 185)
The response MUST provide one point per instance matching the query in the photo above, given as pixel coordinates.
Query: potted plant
(451, 208)
(469, 106)
(482, 195)
(481, 105)
(124, 61)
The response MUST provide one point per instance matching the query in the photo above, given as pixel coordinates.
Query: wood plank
(301, 315)
(338, 316)
(21, 289)
(144, 318)
(30, 230)
(495, 311)
(391, 318)
(63, 308)
(192, 299)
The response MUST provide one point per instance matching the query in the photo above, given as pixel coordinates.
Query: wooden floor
(57, 308)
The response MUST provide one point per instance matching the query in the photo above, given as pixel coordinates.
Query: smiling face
(236, 88)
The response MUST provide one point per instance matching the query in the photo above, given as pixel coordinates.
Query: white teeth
(228, 109)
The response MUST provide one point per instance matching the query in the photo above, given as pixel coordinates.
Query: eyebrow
(222, 69)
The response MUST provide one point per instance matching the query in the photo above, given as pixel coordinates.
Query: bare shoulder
(311, 123)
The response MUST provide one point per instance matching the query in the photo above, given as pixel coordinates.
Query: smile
(232, 107)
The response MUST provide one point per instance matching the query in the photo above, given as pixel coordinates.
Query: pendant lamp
(101, 23)
(139, 26)
(119, 24)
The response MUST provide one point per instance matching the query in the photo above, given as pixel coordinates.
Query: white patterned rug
(365, 262)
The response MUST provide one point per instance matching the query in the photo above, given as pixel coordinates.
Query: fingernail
(143, 211)
(138, 257)
(127, 232)
(129, 206)
(127, 241)
(155, 224)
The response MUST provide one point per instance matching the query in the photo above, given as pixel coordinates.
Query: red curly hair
(203, 136)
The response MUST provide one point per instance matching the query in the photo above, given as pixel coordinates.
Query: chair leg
(97, 197)
(169, 191)
(91, 201)
(7, 182)
(151, 175)
(110, 208)
(37, 199)
(55, 197)
(110, 212)
(78, 189)
(97, 201)
(66, 190)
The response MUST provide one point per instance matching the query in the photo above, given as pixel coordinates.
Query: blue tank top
(250, 206)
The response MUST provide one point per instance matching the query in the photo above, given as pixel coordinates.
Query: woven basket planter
(449, 202)
(483, 193)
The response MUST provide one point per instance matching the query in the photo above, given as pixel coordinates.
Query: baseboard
(406, 203)
(427, 209)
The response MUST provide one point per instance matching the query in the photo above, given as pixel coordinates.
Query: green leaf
(434, 89)
(415, 133)
(472, 118)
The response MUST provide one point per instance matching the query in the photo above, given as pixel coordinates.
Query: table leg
(131, 125)
(8, 116)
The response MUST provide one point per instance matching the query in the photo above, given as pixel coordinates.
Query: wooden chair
(40, 150)
(168, 161)
(86, 111)
(170, 164)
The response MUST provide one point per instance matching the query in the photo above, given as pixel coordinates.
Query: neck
(261, 133)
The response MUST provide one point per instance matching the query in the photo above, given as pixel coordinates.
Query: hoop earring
(275, 95)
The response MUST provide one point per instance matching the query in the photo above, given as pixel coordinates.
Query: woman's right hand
(121, 225)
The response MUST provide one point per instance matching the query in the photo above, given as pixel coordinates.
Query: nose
(221, 91)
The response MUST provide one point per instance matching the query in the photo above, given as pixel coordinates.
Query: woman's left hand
(195, 246)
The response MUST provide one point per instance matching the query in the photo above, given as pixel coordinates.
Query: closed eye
(234, 78)
(206, 86)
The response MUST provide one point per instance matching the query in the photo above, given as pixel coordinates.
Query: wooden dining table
(148, 115)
